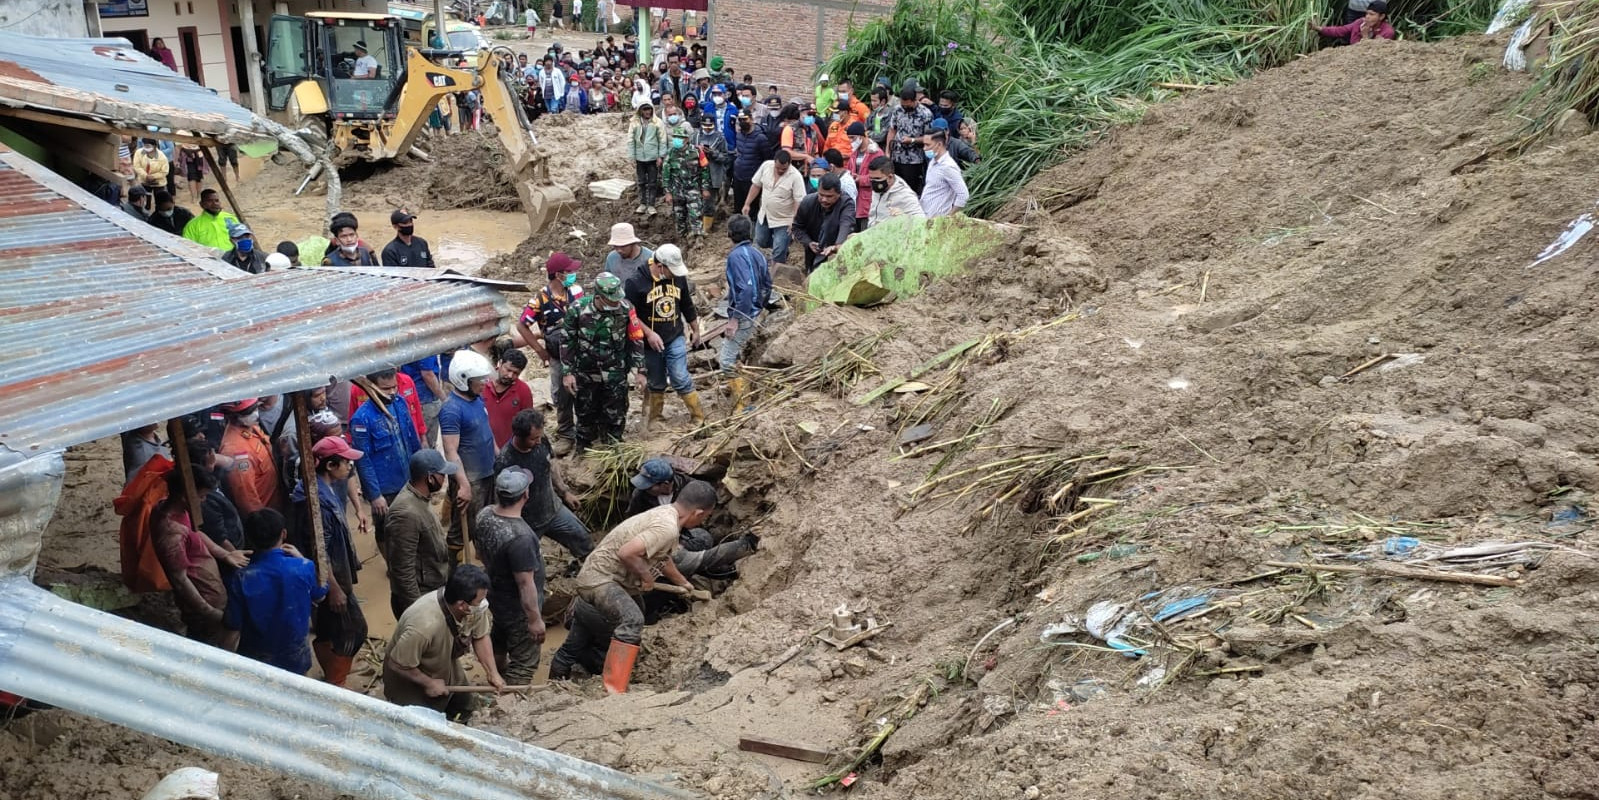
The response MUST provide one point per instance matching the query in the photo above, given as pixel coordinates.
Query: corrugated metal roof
(107, 324)
(117, 670)
(109, 80)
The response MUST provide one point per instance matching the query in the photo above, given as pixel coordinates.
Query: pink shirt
(1353, 32)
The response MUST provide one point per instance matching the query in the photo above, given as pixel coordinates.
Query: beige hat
(622, 235)
(669, 256)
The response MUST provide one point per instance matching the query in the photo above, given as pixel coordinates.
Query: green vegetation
(1569, 78)
(900, 256)
(1046, 77)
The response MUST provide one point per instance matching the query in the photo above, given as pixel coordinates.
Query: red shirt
(503, 407)
(1354, 31)
(404, 387)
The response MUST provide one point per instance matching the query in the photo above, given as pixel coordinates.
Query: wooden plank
(1382, 570)
(302, 431)
(222, 181)
(789, 750)
(177, 442)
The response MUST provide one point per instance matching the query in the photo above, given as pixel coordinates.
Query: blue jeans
(669, 364)
(733, 346)
(567, 531)
(775, 238)
(554, 104)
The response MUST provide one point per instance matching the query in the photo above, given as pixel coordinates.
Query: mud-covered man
(423, 658)
(602, 347)
(626, 562)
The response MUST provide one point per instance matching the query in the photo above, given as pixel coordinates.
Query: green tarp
(900, 256)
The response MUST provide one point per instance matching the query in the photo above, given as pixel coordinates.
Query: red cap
(560, 263)
(334, 446)
(241, 406)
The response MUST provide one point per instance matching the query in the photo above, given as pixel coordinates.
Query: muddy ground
(1226, 279)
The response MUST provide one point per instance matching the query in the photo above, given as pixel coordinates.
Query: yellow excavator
(349, 77)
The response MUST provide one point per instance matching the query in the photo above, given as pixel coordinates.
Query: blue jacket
(269, 604)
(749, 281)
(752, 150)
(727, 123)
(335, 533)
(386, 446)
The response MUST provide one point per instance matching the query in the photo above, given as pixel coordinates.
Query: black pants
(586, 642)
(741, 192)
(648, 175)
(914, 175)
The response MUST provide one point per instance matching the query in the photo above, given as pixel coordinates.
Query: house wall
(64, 18)
(783, 41)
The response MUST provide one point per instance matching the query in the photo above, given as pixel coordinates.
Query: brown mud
(1217, 277)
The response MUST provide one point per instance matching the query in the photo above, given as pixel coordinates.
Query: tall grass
(1046, 77)
(1569, 78)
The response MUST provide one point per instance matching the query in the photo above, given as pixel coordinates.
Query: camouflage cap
(609, 286)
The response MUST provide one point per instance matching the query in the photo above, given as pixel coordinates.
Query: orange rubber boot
(619, 660)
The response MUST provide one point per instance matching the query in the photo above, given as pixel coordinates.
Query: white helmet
(466, 365)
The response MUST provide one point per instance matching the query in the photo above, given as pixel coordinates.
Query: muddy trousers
(586, 642)
(716, 560)
(515, 651)
(454, 538)
(620, 610)
(601, 409)
(648, 176)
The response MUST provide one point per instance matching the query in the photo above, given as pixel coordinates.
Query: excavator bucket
(544, 203)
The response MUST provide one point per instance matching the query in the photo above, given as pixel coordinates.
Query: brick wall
(775, 40)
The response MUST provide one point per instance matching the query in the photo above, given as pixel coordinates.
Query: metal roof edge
(439, 274)
(99, 665)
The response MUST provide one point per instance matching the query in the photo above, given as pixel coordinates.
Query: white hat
(672, 258)
(622, 235)
(277, 261)
(822, 79)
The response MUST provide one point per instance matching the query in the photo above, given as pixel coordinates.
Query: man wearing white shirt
(366, 66)
(944, 192)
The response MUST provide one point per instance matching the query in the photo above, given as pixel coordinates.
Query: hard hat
(466, 365)
(278, 261)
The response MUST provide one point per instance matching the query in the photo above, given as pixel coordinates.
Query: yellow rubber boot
(708, 221)
(692, 400)
(619, 660)
(736, 388)
(655, 405)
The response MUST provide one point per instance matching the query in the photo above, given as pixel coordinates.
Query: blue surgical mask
(245, 245)
(677, 143)
(569, 280)
(930, 154)
(745, 101)
(673, 119)
(808, 119)
(814, 182)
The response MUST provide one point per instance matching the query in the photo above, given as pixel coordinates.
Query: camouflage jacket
(682, 174)
(601, 344)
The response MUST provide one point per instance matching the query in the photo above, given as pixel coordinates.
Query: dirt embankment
(1232, 263)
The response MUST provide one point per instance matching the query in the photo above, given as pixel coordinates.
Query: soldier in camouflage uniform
(687, 179)
(602, 345)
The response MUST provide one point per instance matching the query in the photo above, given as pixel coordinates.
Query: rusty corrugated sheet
(107, 324)
(109, 80)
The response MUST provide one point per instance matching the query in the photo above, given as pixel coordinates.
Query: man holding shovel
(423, 659)
(625, 564)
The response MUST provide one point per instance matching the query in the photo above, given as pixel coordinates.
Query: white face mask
(249, 420)
(855, 145)
(483, 605)
(348, 248)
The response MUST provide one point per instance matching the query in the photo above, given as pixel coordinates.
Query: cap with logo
(651, 472)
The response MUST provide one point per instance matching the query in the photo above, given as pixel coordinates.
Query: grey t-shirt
(507, 546)
(625, 268)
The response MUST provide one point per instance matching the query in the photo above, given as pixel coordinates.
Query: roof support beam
(101, 127)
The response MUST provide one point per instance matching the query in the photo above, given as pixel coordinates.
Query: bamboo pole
(313, 509)
(1401, 571)
(179, 445)
(211, 162)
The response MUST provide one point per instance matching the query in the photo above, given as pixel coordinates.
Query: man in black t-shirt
(548, 510)
(407, 249)
(664, 300)
(510, 553)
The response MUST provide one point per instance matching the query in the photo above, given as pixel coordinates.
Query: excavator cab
(346, 66)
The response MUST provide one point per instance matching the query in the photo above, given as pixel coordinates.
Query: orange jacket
(141, 568)
(252, 483)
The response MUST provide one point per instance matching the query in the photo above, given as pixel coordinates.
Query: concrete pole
(646, 30)
(252, 57)
(439, 26)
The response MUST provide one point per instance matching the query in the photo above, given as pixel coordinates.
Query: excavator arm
(426, 83)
